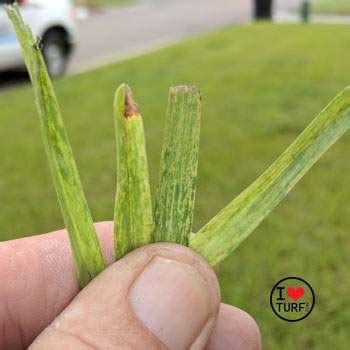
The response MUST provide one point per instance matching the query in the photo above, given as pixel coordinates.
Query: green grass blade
(133, 217)
(178, 170)
(86, 249)
(218, 238)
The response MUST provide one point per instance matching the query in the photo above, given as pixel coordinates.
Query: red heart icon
(295, 293)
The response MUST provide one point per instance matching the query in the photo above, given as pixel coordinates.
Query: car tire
(54, 49)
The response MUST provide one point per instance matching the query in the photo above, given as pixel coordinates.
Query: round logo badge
(292, 299)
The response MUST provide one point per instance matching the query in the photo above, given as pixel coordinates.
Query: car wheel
(54, 48)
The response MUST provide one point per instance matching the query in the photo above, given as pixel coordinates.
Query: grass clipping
(135, 222)
(76, 214)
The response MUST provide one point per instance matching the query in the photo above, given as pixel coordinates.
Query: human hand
(157, 297)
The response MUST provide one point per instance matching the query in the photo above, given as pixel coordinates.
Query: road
(116, 33)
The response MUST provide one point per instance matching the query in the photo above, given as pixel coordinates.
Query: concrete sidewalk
(294, 17)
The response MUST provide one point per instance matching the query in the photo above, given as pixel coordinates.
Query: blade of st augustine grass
(86, 249)
(133, 219)
(218, 238)
(178, 170)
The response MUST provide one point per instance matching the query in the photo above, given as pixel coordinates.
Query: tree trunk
(263, 9)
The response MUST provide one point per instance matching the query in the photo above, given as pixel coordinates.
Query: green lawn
(261, 85)
(338, 7)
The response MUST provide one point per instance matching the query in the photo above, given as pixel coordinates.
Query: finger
(38, 281)
(159, 296)
(235, 330)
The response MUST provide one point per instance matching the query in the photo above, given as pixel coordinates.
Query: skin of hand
(161, 296)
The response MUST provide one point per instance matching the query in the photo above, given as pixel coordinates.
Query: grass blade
(133, 209)
(218, 238)
(177, 186)
(86, 250)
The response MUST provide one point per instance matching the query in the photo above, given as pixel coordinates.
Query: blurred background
(265, 69)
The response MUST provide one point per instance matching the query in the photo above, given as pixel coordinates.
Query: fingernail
(172, 300)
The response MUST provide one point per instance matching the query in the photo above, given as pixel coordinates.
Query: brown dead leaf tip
(131, 108)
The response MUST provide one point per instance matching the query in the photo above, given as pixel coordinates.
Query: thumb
(159, 296)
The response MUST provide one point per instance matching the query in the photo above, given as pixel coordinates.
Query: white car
(52, 21)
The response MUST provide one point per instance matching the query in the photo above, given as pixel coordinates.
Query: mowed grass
(261, 85)
(338, 7)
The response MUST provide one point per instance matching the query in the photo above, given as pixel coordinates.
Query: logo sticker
(292, 299)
